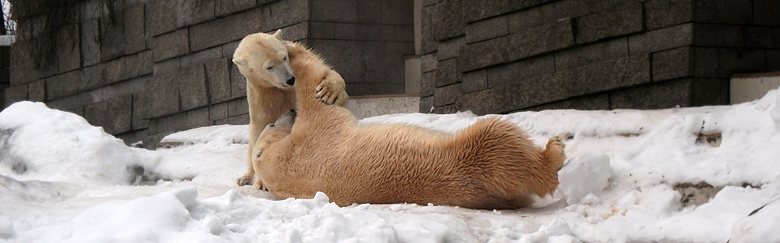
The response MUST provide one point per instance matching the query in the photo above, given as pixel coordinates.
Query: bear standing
(262, 59)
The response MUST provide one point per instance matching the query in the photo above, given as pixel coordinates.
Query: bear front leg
(553, 153)
(332, 89)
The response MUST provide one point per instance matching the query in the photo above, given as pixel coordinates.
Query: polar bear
(490, 165)
(262, 59)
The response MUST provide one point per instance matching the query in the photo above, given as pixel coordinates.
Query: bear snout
(291, 81)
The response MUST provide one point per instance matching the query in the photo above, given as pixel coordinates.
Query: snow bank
(64, 180)
(37, 143)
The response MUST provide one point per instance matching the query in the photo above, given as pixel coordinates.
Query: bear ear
(239, 61)
(278, 34)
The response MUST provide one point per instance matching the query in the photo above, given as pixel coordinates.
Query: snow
(63, 180)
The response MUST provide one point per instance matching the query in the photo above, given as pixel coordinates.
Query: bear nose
(291, 81)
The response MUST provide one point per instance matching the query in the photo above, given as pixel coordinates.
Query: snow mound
(38, 143)
(761, 226)
(585, 174)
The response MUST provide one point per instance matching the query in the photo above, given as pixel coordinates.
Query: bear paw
(329, 94)
(245, 180)
(259, 186)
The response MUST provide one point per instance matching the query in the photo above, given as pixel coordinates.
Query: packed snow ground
(63, 180)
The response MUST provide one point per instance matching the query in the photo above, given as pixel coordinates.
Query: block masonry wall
(165, 66)
(499, 56)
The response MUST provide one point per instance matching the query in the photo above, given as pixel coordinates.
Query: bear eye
(285, 59)
(269, 67)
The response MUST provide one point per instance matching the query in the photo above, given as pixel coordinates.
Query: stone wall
(165, 65)
(498, 56)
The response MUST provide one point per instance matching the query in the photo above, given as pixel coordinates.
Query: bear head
(263, 60)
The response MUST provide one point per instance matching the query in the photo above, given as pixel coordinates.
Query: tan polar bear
(490, 165)
(268, 92)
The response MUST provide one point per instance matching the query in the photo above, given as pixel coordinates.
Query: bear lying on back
(490, 165)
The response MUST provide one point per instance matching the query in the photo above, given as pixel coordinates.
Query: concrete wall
(750, 87)
(165, 66)
(498, 56)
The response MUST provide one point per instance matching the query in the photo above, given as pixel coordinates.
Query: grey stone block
(90, 10)
(161, 97)
(76, 100)
(192, 88)
(762, 37)
(672, 64)
(474, 81)
(114, 115)
(428, 40)
(624, 20)
(15, 94)
(592, 102)
(596, 52)
(232, 28)
(227, 7)
(90, 47)
(129, 67)
(36, 91)
(218, 111)
(477, 10)
(398, 12)
(201, 57)
(365, 62)
(191, 12)
(608, 75)
(138, 122)
(660, 39)
(343, 11)
(322, 30)
(656, 96)
(718, 35)
(765, 12)
(368, 11)
(449, 49)
(733, 61)
(664, 13)
(78, 111)
(167, 66)
(710, 92)
(723, 12)
(540, 40)
(705, 62)
(427, 83)
(237, 83)
(134, 29)
(125, 88)
(236, 120)
(426, 104)
(515, 72)
(68, 49)
(67, 84)
(23, 68)
(483, 54)
(112, 45)
(238, 107)
(229, 49)
(171, 45)
(430, 2)
(288, 12)
(378, 88)
(446, 95)
(486, 29)
(296, 32)
(198, 118)
(559, 10)
(447, 73)
(428, 62)
(523, 20)
(772, 60)
(218, 78)
(447, 109)
(160, 18)
(448, 19)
